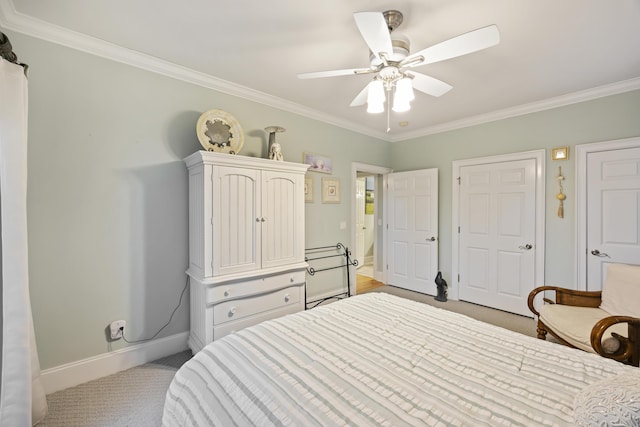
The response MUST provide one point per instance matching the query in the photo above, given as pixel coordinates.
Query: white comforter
(377, 359)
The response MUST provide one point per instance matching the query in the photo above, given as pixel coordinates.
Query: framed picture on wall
(318, 163)
(308, 189)
(330, 190)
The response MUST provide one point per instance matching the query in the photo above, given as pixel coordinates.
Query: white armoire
(246, 242)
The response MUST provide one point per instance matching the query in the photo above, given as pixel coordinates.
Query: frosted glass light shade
(401, 107)
(375, 94)
(404, 90)
(403, 95)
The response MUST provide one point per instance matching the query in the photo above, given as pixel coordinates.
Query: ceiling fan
(391, 60)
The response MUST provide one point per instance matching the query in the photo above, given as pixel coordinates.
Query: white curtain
(22, 398)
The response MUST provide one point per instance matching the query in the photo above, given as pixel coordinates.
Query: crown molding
(533, 107)
(15, 21)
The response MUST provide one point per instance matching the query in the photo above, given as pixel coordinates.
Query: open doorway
(365, 228)
(367, 225)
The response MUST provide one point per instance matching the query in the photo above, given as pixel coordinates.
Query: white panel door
(613, 211)
(237, 220)
(413, 230)
(497, 234)
(360, 227)
(281, 215)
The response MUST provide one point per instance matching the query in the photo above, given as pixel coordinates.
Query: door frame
(582, 150)
(539, 244)
(377, 214)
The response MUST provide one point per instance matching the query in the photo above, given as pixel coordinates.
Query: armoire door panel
(282, 215)
(236, 224)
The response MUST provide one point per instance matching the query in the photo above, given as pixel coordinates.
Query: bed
(378, 359)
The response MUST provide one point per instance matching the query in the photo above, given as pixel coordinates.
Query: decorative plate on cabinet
(219, 131)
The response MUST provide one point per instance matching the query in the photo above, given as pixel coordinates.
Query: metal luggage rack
(314, 254)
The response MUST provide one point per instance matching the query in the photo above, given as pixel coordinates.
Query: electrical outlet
(117, 329)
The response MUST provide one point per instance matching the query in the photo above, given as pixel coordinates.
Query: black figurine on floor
(442, 288)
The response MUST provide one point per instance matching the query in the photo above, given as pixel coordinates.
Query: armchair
(605, 322)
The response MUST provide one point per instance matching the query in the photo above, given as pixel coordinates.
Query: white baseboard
(81, 371)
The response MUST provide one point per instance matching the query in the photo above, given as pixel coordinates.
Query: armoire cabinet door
(236, 220)
(283, 214)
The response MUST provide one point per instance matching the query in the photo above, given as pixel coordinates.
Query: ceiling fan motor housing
(400, 44)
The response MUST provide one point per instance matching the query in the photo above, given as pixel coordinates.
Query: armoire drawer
(227, 328)
(234, 290)
(244, 307)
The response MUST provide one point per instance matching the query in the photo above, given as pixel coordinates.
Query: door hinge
(458, 229)
(458, 178)
(458, 277)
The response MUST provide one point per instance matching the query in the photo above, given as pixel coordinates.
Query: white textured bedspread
(377, 359)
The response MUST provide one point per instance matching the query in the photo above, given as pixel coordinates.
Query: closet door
(236, 220)
(413, 230)
(282, 221)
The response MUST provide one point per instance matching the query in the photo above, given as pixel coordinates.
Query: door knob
(526, 247)
(432, 239)
(597, 253)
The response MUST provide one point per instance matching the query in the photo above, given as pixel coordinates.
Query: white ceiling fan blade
(335, 73)
(430, 85)
(472, 41)
(361, 98)
(375, 32)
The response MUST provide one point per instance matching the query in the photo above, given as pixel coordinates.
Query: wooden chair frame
(629, 351)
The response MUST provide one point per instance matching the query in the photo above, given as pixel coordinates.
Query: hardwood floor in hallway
(366, 283)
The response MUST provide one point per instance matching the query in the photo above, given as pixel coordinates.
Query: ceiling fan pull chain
(388, 111)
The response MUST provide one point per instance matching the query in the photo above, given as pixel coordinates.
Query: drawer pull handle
(226, 293)
(291, 280)
(232, 311)
(287, 298)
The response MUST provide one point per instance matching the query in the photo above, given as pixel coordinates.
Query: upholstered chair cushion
(574, 324)
(621, 290)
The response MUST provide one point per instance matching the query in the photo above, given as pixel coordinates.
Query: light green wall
(603, 119)
(107, 192)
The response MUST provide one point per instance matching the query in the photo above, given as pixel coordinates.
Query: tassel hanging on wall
(560, 196)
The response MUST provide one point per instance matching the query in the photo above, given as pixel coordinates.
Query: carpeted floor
(135, 397)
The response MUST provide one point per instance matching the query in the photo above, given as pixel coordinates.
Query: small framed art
(318, 163)
(330, 190)
(560, 153)
(308, 189)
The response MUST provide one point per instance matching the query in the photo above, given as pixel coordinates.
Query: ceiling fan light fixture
(375, 97)
(376, 92)
(404, 90)
(400, 106)
(403, 95)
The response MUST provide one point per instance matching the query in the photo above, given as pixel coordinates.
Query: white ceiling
(551, 52)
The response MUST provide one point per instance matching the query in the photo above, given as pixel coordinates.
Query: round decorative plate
(219, 131)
